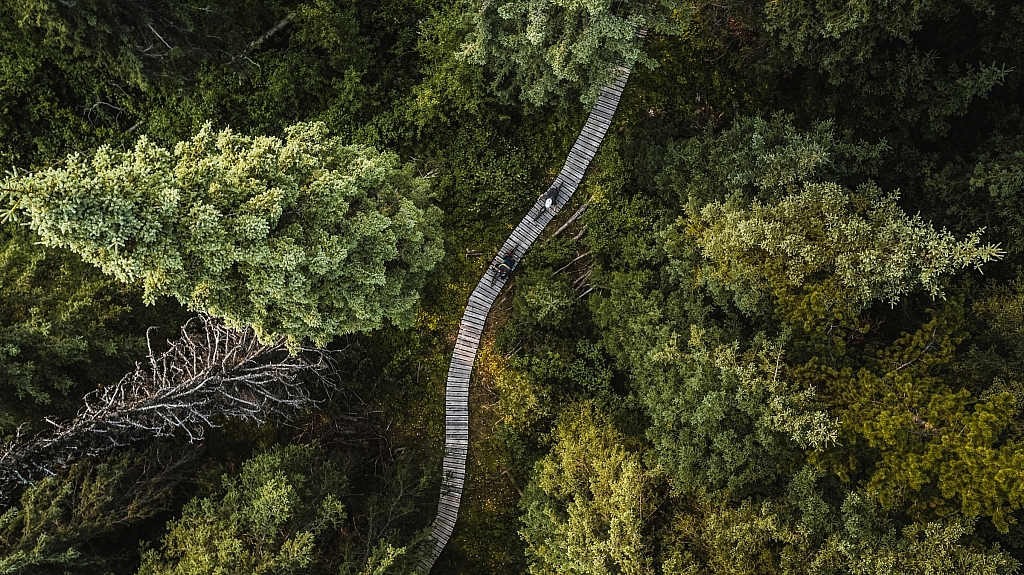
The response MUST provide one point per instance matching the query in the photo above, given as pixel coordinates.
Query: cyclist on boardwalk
(508, 263)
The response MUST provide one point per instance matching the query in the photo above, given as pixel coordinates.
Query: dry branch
(210, 371)
(569, 222)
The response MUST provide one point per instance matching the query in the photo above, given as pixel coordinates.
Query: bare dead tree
(210, 371)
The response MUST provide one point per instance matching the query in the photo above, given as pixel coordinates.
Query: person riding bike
(508, 263)
(550, 200)
(550, 197)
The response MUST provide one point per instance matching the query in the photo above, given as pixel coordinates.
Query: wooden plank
(598, 124)
(584, 152)
(572, 170)
(587, 139)
(459, 378)
(602, 114)
(471, 320)
(520, 238)
(474, 317)
(599, 120)
(469, 333)
(580, 157)
(575, 161)
(529, 232)
(608, 109)
(478, 300)
(583, 158)
(537, 224)
(462, 363)
(574, 164)
(465, 349)
(468, 330)
(476, 307)
(595, 133)
(585, 143)
(602, 130)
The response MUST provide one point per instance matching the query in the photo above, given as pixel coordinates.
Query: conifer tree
(303, 237)
(541, 49)
(584, 513)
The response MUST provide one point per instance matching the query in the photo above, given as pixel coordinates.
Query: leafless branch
(574, 260)
(572, 219)
(210, 371)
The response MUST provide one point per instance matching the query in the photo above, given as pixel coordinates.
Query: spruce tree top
(306, 237)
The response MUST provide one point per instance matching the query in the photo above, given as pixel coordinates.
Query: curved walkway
(456, 439)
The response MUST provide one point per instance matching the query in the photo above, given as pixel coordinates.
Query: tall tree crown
(304, 237)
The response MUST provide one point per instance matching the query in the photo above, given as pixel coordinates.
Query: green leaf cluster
(304, 237)
(585, 510)
(266, 520)
(541, 50)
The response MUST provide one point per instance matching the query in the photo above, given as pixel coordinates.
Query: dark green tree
(76, 522)
(65, 328)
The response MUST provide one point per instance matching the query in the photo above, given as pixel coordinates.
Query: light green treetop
(264, 521)
(303, 237)
(584, 511)
(544, 48)
(863, 240)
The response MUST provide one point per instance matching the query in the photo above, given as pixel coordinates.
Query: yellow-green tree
(266, 520)
(584, 511)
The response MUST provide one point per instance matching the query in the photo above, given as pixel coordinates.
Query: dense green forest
(786, 335)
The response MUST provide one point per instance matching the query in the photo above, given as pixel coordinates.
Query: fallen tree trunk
(210, 371)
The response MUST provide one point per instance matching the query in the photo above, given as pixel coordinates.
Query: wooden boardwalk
(457, 393)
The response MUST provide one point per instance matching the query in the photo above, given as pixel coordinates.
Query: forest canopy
(779, 328)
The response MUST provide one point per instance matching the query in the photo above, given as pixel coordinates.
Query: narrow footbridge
(456, 440)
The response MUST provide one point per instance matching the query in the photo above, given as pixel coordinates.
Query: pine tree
(542, 49)
(266, 520)
(584, 513)
(305, 237)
